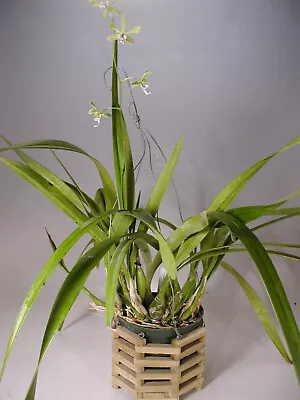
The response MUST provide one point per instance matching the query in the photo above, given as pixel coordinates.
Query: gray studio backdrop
(226, 75)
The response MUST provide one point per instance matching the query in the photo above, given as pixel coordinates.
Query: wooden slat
(196, 347)
(190, 337)
(158, 396)
(201, 381)
(196, 370)
(125, 346)
(156, 362)
(155, 387)
(156, 373)
(129, 336)
(158, 349)
(124, 358)
(123, 383)
(190, 361)
(188, 386)
(126, 372)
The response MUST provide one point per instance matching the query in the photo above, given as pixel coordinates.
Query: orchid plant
(126, 233)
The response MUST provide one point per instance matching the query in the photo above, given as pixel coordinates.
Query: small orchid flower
(98, 115)
(145, 89)
(142, 83)
(120, 34)
(106, 7)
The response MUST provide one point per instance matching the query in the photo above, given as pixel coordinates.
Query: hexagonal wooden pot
(157, 371)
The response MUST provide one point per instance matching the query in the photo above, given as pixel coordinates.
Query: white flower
(145, 88)
(97, 120)
(103, 5)
(122, 38)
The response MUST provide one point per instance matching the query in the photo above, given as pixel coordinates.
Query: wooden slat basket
(157, 371)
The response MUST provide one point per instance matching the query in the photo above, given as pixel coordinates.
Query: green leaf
(167, 223)
(204, 255)
(285, 211)
(190, 244)
(271, 282)
(145, 252)
(142, 287)
(100, 200)
(53, 144)
(66, 297)
(78, 190)
(54, 195)
(47, 189)
(167, 256)
(250, 213)
(128, 176)
(123, 162)
(259, 309)
(121, 223)
(165, 250)
(43, 276)
(149, 239)
(207, 244)
(56, 257)
(113, 277)
(284, 254)
(86, 199)
(116, 131)
(163, 181)
(48, 175)
(274, 221)
(230, 192)
(189, 227)
(67, 271)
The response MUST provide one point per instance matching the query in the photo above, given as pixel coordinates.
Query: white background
(226, 75)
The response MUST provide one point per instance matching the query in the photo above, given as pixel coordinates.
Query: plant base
(157, 371)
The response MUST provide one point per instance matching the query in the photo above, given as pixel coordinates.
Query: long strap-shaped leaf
(53, 144)
(62, 263)
(271, 282)
(123, 162)
(113, 278)
(189, 245)
(164, 247)
(60, 253)
(48, 175)
(66, 297)
(230, 192)
(164, 180)
(197, 223)
(128, 180)
(251, 213)
(116, 127)
(259, 309)
(47, 188)
(53, 194)
(43, 276)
